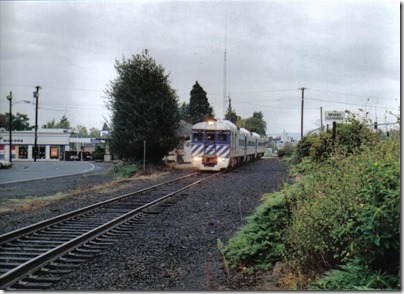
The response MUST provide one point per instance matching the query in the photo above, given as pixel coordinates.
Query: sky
(345, 53)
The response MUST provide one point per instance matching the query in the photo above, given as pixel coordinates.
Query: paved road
(27, 171)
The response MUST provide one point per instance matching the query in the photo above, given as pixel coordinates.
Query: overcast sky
(346, 53)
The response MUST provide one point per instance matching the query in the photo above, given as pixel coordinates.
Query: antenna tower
(225, 70)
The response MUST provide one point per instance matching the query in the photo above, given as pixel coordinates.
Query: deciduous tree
(19, 122)
(255, 123)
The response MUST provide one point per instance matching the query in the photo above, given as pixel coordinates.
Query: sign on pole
(337, 116)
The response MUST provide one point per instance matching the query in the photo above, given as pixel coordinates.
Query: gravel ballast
(177, 249)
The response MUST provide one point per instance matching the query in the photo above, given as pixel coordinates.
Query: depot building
(52, 144)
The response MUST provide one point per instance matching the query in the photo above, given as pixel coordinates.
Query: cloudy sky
(346, 53)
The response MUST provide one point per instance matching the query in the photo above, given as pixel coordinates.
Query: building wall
(51, 144)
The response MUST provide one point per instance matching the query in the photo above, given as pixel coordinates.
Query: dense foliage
(98, 153)
(255, 123)
(64, 123)
(144, 108)
(343, 215)
(19, 122)
(259, 243)
(199, 107)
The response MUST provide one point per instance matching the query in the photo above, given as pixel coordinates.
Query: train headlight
(221, 159)
(197, 158)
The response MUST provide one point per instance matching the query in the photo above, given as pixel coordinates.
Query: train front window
(210, 136)
(222, 137)
(197, 137)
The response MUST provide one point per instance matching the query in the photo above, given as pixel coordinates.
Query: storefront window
(23, 152)
(42, 152)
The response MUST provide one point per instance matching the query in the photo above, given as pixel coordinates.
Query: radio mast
(225, 70)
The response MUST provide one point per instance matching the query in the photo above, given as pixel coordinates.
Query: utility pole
(36, 96)
(10, 98)
(301, 122)
(321, 119)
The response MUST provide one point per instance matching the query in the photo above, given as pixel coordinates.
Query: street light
(10, 98)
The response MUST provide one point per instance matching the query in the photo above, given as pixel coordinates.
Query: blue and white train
(217, 145)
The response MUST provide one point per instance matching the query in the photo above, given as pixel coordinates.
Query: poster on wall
(54, 152)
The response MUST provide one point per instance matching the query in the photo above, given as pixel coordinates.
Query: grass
(31, 203)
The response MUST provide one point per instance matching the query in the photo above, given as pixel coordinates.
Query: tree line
(20, 122)
(145, 110)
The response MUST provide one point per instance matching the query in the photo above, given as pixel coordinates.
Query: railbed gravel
(177, 249)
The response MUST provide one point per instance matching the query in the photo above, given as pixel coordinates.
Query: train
(219, 144)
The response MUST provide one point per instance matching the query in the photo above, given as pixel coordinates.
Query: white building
(52, 143)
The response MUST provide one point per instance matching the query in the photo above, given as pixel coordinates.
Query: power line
(53, 87)
(270, 106)
(349, 94)
(346, 103)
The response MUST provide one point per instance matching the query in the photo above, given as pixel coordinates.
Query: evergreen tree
(231, 115)
(184, 111)
(199, 107)
(144, 107)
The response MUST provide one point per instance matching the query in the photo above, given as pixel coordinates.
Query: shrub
(355, 276)
(259, 244)
(349, 210)
(126, 169)
(98, 153)
(287, 150)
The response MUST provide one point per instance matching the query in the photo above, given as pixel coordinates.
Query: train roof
(215, 125)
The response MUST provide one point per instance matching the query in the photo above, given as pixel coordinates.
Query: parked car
(5, 164)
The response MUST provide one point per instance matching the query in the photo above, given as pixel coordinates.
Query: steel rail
(43, 224)
(23, 270)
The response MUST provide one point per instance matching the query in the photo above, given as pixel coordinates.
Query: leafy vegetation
(258, 245)
(144, 108)
(64, 123)
(340, 223)
(255, 123)
(19, 122)
(125, 169)
(98, 153)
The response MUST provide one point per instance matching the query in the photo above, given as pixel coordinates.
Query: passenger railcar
(217, 145)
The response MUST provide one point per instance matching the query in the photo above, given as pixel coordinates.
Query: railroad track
(35, 257)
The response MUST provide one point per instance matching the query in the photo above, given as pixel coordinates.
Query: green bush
(356, 276)
(126, 169)
(287, 150)
(349, 138)
(341, 220)
(349, 210)
(259, 244)
(98, 153)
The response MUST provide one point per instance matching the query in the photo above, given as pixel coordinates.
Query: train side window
(210, 136)
(197, 137)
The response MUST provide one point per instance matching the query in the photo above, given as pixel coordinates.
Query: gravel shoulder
(177, 249)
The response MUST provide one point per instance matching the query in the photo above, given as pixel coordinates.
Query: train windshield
(222, 137)
(196, 137)
(210, 136)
